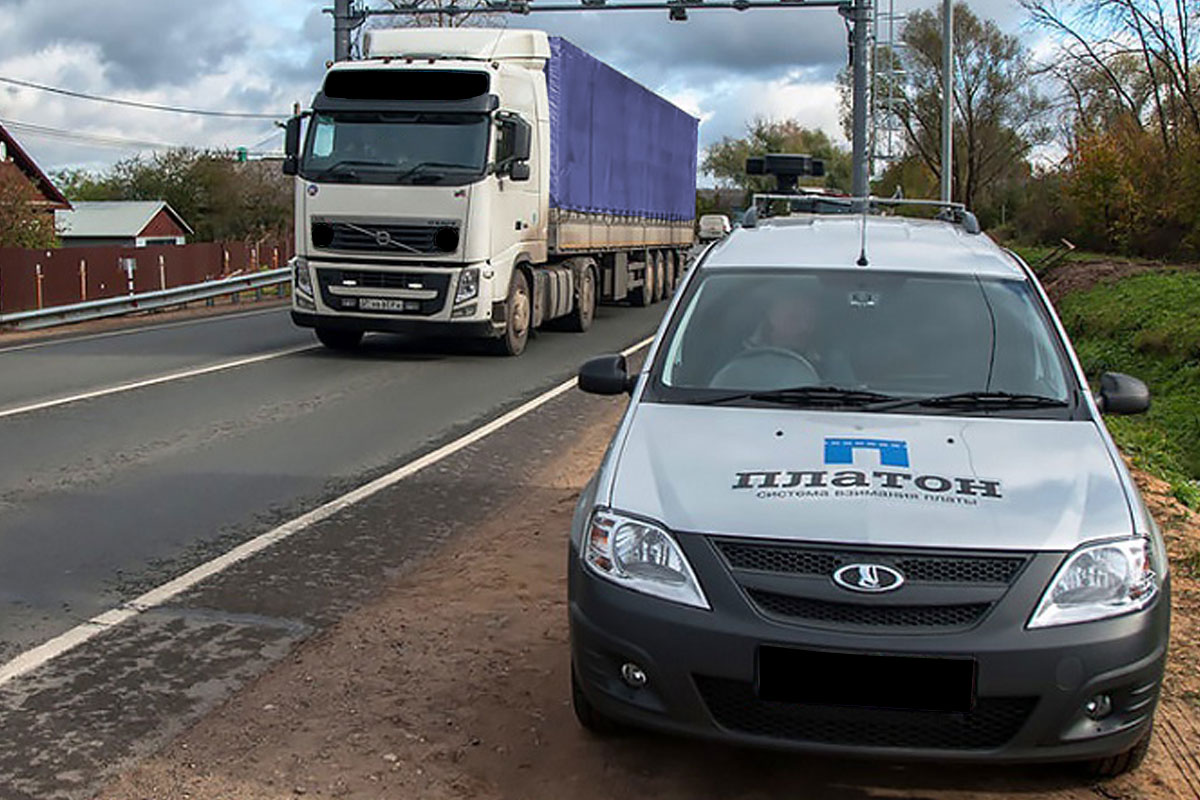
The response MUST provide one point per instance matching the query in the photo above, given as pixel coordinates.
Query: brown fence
(32, 279)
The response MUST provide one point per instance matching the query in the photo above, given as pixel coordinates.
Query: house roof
(24, 162)
(110, 219)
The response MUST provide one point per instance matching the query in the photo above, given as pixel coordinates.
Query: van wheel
(644, 295)
(336, 339)
(517, 313)
(589, 718)
(1131, 759)
(579, 320)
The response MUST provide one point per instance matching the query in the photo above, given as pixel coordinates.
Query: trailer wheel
(336, 339)
(644, 295)
(579, 320)
(517, 316)
(660, 275)
(672, 271)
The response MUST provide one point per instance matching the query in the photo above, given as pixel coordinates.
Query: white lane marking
(47, 651)
(173, 376)
(139, 329)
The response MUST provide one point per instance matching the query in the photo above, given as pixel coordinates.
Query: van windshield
(360, 147)
(886, 336)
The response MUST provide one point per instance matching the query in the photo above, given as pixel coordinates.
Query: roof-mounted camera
(787, 168)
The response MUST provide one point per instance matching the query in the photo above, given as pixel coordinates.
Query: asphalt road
(106, 496)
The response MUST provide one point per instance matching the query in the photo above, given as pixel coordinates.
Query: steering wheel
(764, 367)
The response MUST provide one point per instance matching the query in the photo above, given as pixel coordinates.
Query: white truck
(483, 183)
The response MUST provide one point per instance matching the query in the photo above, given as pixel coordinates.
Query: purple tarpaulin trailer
(615, 146)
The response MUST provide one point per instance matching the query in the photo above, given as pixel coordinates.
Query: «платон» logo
(892, 479)
(873, 578)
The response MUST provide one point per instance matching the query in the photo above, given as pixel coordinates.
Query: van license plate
(929, 683)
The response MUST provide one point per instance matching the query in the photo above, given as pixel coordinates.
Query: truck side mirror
(606, 375)
(522, 139)
(1123, 394)
(291, 147)
(519, 171)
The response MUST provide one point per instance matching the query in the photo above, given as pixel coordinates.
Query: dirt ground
(1078, 275)
(455, 685)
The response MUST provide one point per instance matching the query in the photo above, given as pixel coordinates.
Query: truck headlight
(302, 278)
(468, 285)
(1099, 581)
(641, 556)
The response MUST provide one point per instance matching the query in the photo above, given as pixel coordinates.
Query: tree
(433, 16)
(998, 114)
(726, 160)
(22, 222)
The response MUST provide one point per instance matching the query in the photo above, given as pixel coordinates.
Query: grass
(1033, 254)
(1148, 325)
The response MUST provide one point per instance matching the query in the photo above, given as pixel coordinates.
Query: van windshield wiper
(833, 396)
(976, 400)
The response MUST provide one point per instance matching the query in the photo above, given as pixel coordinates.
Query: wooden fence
(32, 279)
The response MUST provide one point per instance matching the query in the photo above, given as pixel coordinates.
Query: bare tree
(432, 14)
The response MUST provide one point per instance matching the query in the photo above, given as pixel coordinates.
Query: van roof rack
(822, 201)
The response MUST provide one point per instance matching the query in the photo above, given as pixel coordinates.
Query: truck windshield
(392, 148)
(905, 342)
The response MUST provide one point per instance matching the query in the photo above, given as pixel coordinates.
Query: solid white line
(35, 657)
(173, 376)
(138, 329)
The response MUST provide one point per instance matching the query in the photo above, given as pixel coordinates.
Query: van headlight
(640, 555)
(1099, 581)
(468, 285)
(302, 278)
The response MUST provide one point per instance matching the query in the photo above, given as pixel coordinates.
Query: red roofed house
(14, 158)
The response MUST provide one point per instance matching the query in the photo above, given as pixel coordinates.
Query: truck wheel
(1131, 759)
(579, 320)
(644, 294)
(589, 718)
(336, 339)
(660, 275)
(517, 315)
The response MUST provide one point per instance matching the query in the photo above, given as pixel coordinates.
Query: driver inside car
(785, 350)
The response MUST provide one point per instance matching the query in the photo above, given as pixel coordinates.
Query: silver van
(863, 501)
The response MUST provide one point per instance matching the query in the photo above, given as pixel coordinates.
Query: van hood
(885, 479)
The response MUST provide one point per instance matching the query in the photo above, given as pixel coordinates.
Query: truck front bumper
(702, 669)
(412, 327)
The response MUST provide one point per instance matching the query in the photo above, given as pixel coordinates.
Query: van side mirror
(291, 147)
(606, 375)
(1123, 394)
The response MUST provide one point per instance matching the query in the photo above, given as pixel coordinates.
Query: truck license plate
(387, 304)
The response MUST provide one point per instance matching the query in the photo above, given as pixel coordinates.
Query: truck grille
(991, 724)
(376, 237)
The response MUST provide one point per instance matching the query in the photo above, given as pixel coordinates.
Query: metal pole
(947, 98)
(861, 20)
(341, 30)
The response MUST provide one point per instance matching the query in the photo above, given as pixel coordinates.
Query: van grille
(991, 724)
(869, 615)
(801, 560)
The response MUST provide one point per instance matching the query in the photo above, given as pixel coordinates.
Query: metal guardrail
(146, 301)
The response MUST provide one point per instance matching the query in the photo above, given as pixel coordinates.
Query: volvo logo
(383, 238)
(868, 578)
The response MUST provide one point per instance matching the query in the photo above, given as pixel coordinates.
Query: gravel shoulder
(454, 684)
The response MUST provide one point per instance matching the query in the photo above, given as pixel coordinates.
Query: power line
(136, 104)
(96, 139)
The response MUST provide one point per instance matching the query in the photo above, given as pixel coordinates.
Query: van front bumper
(1031, 687)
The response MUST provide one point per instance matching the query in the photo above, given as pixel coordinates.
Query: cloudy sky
(725, 67)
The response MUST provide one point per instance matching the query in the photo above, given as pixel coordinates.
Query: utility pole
(345, 20)
(947, 98)
(860, 13)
